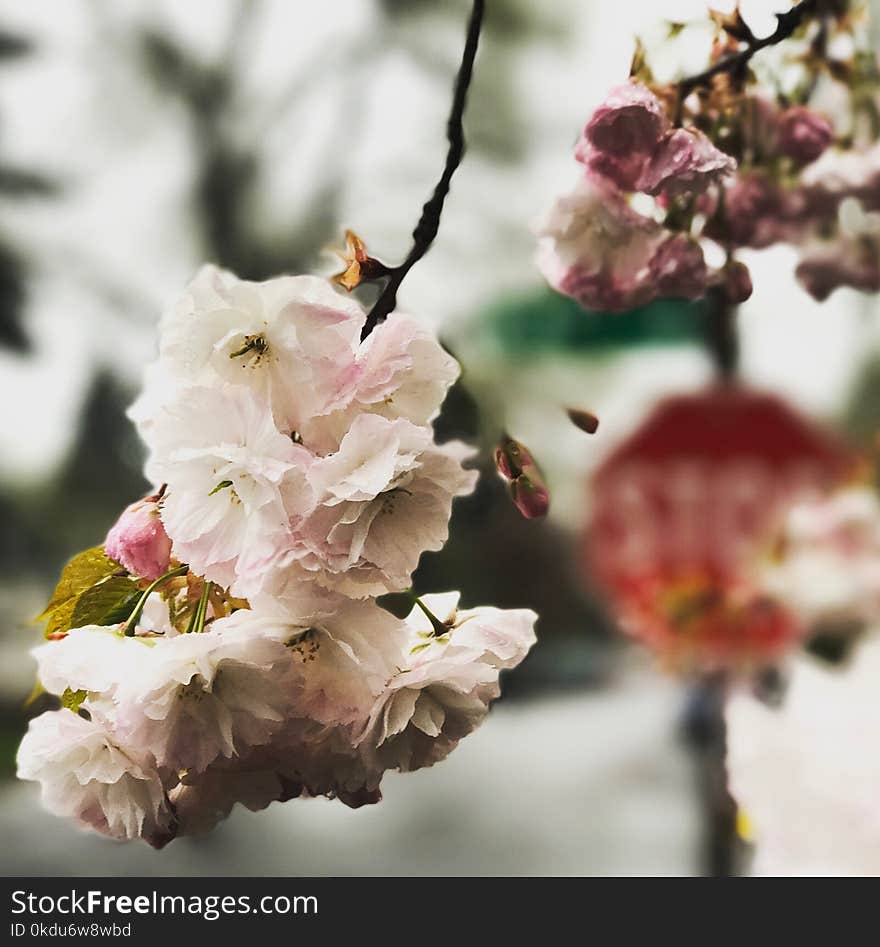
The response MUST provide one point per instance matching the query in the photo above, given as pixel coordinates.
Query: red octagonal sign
(701, 484)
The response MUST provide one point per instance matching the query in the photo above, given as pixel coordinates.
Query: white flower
(312, 760)
(86, 774)
(405, 372)
(304, 759)
(300, 473)
(375, 455)
(292, 339)
(235, 483)
(292, 594)
(156, 619)
(200, 696)
(829, 569)
(201, 800)
(595, 248)
(402, 371)
(383, 499)
(443, 689)
(94, 659)
(807, 774)
(341, 661)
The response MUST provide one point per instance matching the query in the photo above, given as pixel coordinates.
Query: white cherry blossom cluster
(826, 569)
(299, 480)
(805, 774)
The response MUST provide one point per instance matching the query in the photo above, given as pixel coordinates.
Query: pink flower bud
(678, 269)
(527, 488)
(803, 135)
(530, 498)
(138, 540)
(512, 458)
(737, 282)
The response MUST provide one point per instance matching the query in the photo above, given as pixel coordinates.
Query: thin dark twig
(786, 24)
(429, 223)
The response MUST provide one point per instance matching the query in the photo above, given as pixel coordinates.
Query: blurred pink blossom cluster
(300, 479)
(595, 246)
(664, 177)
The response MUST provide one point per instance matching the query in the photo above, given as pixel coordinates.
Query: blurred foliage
(13, 46)
(51, 521)
(861, 420)
(494, 124)
(227, 169)
(548, 321)
(15, 184)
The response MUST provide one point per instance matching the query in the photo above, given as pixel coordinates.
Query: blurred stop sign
(702, 484)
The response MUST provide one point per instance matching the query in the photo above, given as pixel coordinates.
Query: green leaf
(81, 573)
(61, 618)
(72, 700)
(106, 603)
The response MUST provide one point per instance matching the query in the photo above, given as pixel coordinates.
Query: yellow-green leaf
(60, 618)
(109, 601)
(81, 573)
(72, 700)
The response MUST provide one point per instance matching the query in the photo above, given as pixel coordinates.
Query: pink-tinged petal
(630, 119)
(845, 262)
(625, 171)
(595, 248)
(685, 163)
(841, 174)
(757, 213)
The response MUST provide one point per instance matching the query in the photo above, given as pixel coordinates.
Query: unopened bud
(138, 541)
(737, 282)
(527, 488)
(531, 498)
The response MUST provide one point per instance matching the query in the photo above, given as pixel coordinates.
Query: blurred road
(593, 783)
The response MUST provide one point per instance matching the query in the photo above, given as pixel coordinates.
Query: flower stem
(197, 622)
(436, 624)
(134, 617)
(429, 223)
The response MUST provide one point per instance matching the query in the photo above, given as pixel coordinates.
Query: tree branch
(429, 223)
(786, 24)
